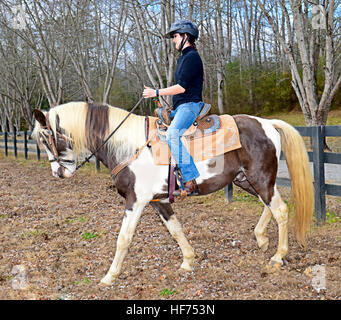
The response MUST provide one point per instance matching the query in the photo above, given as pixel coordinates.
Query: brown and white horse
(76, 128)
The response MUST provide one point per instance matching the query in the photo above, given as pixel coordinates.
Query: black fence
(20, 142)
(318, 157)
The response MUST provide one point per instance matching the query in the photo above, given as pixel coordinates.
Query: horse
(74, 129)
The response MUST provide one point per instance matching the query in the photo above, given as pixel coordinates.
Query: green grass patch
(89, 235)
(296, 118)
(76, 219)
(84, 281)
(239, 195)
(331, 217)
(244, 197)
(33, 233)
(167, 292)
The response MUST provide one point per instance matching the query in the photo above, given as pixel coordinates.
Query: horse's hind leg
(174, 227)
(280, 212)
(273, 205)
(129, 223)
(260, 230)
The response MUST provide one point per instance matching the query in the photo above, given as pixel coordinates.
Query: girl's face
(177, 38)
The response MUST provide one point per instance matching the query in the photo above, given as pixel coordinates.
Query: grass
(76, 219)
(239, 195)
(84, 281)
(296, 118)
(244, 197)
(89, 168)
(331, 217)
(33, 233)
(167, 292)
(89, 235)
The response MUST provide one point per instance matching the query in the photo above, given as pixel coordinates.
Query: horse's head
(58, 146)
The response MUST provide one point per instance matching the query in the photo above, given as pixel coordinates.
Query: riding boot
(190, 189)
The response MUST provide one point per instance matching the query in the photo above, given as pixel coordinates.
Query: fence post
(319, 179)
(38, 152)
(228, 192)
(98, 165)
(6, 143)
(25, 144)
(15, 142)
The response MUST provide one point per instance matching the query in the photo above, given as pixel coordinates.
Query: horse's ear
(40, 117)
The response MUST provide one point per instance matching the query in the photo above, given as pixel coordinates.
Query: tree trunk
(315, 111)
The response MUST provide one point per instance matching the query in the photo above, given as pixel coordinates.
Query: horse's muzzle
(60, 172)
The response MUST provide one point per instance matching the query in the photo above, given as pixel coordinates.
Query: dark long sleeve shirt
(189, 74)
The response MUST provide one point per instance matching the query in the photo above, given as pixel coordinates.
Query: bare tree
(40, 34)
(157, 53)
(111, 34)
(311, 40)
(20, 85)
(77, 49)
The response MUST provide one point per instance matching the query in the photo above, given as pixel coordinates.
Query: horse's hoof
(186, 267)
(264, 247)
(107, 280)
(275, 264)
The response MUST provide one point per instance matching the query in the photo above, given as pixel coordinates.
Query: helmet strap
(183, 42)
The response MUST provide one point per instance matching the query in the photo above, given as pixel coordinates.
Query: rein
(111, 134)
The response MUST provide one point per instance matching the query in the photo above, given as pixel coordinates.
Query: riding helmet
(183, 26)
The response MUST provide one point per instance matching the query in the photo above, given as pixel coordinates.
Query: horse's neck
(124, 143)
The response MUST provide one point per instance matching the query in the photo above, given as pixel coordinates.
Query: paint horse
(77, 128)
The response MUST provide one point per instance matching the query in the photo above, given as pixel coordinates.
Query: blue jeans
(184, 116)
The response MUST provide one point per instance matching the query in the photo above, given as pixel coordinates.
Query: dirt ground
(58, 239)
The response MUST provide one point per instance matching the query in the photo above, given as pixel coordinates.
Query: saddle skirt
(208, 137)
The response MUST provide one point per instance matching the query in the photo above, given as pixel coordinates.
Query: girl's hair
(191, 41)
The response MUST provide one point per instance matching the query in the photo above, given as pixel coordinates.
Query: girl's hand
(149, 92)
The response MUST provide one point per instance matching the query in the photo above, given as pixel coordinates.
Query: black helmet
(183, 26)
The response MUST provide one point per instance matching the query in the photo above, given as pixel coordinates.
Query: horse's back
(257, 132)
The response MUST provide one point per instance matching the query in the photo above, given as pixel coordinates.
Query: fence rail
(10, 141)
(20, 142)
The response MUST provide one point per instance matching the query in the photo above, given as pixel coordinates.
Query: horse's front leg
(129, 223)
(174, 227)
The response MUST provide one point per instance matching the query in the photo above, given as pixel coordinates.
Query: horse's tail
(302, 188)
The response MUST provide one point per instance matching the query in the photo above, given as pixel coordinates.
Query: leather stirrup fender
(163, 114)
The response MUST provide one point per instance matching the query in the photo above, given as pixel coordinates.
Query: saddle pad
(210, 145)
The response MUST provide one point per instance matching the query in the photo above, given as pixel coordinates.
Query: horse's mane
(123, 143)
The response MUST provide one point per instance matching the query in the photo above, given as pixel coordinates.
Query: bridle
(52, 142)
